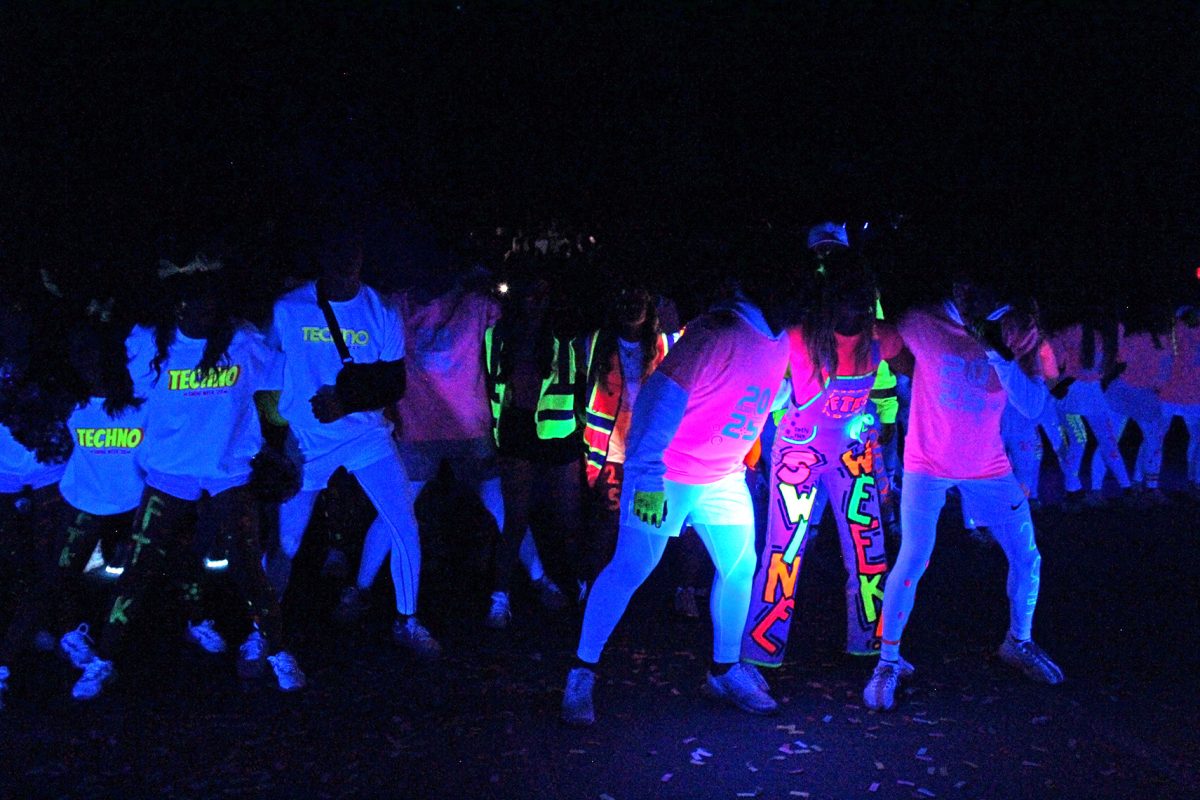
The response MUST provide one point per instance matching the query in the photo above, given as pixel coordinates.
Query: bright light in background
(502, 287)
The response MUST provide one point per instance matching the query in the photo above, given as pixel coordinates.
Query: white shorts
(725, 502)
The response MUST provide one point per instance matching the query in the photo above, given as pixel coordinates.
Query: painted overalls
(824, 441)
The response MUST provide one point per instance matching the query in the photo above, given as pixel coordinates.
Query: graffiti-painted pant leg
(161, 538)
(795, 476)
(855, 498)
(1070, 442)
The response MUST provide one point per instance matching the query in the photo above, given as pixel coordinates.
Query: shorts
(724, 502)
(473, 461)
(985, 501)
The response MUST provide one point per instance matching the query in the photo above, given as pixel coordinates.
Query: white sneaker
(880, 691)
(96, 673)
(577, 708)
(252, 657)
(414, 636)
(206, 636)
(76, 645)
(500, 613)
(287, 671)
(738, 687)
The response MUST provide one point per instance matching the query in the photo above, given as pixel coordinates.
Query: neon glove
(650, 507)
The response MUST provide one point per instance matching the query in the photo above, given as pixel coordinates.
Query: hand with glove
(649, 500)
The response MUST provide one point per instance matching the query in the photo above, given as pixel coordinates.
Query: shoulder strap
(335, 330)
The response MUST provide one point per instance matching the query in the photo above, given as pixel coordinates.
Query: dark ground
(1117, 609)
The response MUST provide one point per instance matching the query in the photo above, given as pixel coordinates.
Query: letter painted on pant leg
(117, 615)
(780, 612)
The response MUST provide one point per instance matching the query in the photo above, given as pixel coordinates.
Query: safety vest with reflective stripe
(604, 403)
(557, 415)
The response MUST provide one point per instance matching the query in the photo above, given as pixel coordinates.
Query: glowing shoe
(96, 673)
(252, 657)
(76, 645)
(880, 692)
(739, 688)
(415, 637)
(206, 636)
(577, 708)
(500, 614)
(1030, 659)
(287, 671)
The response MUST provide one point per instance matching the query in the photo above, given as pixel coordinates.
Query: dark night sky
(1058, 141)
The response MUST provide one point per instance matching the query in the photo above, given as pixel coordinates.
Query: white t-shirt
(373, 331)
(201, 431)
(102, 474)
(631, 373)
(19, 466)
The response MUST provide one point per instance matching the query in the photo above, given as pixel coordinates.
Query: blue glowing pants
(387, 486)
(1087, 399)
(997, 503)
(723, 518)
(1023, 444)
(803, 475)
(1144, 408)
(1068, 434)
(377, 545)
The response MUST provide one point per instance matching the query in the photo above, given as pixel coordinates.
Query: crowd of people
(156, 438)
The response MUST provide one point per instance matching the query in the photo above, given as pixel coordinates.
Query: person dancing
(965, 369)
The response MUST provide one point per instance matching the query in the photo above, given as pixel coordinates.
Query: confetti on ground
(925, 792)
(667, 776)
(874, 787)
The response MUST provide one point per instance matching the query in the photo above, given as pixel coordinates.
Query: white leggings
(387, 486)
(999, 503)
(640, 548)
(378, 543)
